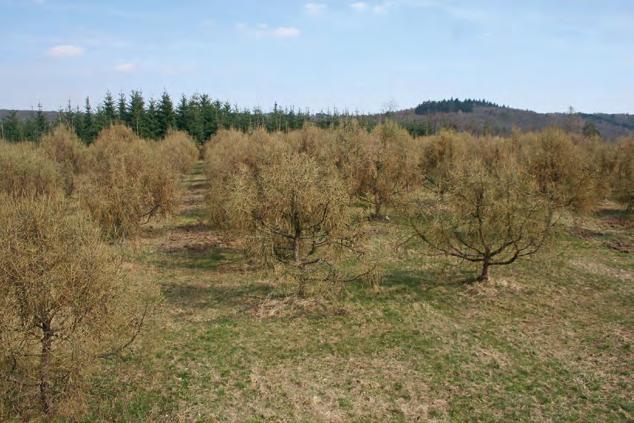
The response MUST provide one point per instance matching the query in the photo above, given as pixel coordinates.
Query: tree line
(198, 115)
(451, 105)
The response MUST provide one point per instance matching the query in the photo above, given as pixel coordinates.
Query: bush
(25, 171)
(64, 147)
(295, 210)
(623, 175)
(129, 182)
(179, 150)
(565, 175)
(227, 153)
(63, 302)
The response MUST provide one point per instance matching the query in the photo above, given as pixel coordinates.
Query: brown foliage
(384, 165)
(25, 171)
(623, 174)
(179, 150)
(129, 182)
(481, 214)
(566, 175)
(63, 302)
(64, 147)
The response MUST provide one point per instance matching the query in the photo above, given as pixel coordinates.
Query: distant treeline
(451, 105)
(199, 115)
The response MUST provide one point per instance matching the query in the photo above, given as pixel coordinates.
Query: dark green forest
(199, 115)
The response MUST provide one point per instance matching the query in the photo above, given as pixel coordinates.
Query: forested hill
(202, 117)
(481, 116)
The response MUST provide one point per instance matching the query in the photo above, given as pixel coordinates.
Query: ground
(548, 339)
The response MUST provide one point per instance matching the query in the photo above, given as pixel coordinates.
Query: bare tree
(492, 216)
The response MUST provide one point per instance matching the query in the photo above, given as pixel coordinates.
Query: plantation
(339, 273)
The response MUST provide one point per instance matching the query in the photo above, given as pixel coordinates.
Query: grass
(548, 339)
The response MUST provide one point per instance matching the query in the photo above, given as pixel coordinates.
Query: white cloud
(315, 9)
(285, 32)
(125, 67)
(262, 30)
(65, 50)
(382, 7)
(359, 6)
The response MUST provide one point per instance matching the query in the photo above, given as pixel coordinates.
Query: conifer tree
(136, 111)
(109, 112)
(166, 115)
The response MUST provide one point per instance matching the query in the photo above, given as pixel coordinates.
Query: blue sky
(355, 55)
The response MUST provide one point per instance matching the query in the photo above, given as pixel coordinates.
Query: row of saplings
(65, 302)
(301, 198)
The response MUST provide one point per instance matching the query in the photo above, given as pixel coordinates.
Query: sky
(363, 56)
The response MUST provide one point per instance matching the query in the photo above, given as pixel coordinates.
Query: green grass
(548, 339)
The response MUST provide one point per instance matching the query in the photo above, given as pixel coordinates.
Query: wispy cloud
(315, 9)
(359, 6)
(65, 50)
(125, 67)
(263, 30)
(382, 7)
(377, 8)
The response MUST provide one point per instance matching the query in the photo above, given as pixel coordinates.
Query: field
(547, 339)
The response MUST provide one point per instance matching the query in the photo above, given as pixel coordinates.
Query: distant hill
(480, 116)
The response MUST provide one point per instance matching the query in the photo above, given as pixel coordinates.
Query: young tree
(129, 182)
(63, 302)
(109, 111)
(166, 115)
(487, 215)
(62, 146)
(136, 112)
(565, 176)
(623, 176)
(11, 127)
(296, 211)
(88, 130)
(386, 167)
(122, 109)
(26, 172)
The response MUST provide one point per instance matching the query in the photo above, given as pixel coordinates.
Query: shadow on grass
(427, 284)
(202, 258)
(236, 297)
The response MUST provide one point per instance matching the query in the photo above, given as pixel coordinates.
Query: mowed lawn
(548, 339)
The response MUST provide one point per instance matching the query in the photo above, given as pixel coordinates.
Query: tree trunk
(297, 256)
(45, 358)
(377, 206)
(484, 275)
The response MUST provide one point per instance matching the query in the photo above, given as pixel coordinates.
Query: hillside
(501, 120)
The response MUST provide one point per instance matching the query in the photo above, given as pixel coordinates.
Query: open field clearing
(548, 339)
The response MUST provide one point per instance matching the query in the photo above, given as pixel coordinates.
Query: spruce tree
(136, 112)
(166, 115)
(109, 112)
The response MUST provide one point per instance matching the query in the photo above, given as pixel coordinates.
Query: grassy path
(547, 340)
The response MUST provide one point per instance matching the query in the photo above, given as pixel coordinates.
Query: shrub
(296, 212)
(179, 150)
(25, 171)
(385, 165)
(64, 147)
(229, 152)
(129, 182)
(623, 175)
(63, 302)
(564, 174)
